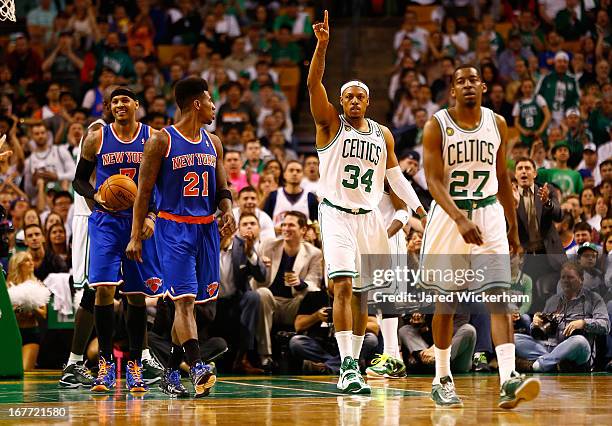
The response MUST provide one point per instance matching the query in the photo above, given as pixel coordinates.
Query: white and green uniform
(80, 233)
(352, 169)
(560, 92)
(470, 158)
(530, 114)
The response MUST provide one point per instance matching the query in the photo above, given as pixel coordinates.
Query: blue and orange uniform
(187, 233)
(109, 233)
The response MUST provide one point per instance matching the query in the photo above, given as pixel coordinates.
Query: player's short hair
(188, 90)
(301, 217)
(466, 66)
(243, 215)
(583, 226)
(246, 189)
(523, 159)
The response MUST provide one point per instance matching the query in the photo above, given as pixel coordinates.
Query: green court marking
(43, 388)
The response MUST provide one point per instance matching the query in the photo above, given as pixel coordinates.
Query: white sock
(505, 360)
(357, 343)
(443, 358)
(344, 344)
(74, 358)
(146, 355)
(389, 332)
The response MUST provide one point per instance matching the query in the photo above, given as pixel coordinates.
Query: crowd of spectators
(547, 73)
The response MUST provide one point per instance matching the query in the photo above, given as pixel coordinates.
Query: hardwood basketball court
(309, 400)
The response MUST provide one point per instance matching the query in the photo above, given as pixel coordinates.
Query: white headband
(355, 83)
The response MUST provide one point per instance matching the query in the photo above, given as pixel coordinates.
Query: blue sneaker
(171, 384)
(133, 375)
(107, 377)
(203, 378)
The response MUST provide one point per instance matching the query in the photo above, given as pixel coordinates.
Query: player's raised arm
(154, 150)
(322, 110)
(504, 190)
(224, 196)
(434, 174)
(398, 183)
(87, 166)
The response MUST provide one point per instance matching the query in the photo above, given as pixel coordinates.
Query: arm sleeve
(313, 206)
(81, 183)
(402, 188)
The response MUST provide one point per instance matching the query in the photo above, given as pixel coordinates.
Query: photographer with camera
(562, 335)
(315, 342)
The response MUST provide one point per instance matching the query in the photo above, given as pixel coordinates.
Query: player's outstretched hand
(148, 227)
(469, 231)
(321, 29)
(134, 250)
(228, 224)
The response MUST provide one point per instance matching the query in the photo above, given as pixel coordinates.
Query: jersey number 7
(191, 189)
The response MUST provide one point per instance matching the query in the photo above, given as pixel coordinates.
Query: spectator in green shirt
(600, 120)
(284, 51)
(567, 180)
(559, 88)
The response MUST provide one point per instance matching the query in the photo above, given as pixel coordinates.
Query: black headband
(121, 91)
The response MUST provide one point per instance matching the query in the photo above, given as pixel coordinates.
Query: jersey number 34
(192, 186)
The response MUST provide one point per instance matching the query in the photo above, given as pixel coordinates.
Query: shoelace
(104, 367)
(84, 371)
(175, 378)
(153, 363)
(448, 389)
(380, 359)
(135, 370)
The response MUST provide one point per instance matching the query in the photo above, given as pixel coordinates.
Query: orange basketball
(119, 192)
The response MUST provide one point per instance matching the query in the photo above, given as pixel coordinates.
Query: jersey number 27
(192, 187)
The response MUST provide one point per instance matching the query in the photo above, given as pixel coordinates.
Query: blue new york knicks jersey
(119, 157)
(186, 184)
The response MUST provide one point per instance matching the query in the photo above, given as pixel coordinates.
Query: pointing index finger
(325, 17)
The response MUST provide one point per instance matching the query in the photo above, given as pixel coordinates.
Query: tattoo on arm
(91, 145)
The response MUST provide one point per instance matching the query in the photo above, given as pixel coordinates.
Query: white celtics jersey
(80, 205)
(470, 156)
(352, 167)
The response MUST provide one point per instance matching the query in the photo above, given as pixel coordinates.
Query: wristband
(402, 215)
(223, 193)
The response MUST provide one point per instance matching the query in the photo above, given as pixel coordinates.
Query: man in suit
(537, 208)
(238, 304)
(294, 268)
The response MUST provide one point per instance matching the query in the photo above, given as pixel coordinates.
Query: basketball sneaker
(76, 375)
(171, 384)
(350, 379)
(107, 377)
(133, 377)
(516, 389)
(203, 378)
(385, 366)
(152, 370)
(444, 394)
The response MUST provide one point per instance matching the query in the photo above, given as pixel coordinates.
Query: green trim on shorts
(344, 273)
(429, 220)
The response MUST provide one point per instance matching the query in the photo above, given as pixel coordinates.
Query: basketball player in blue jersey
(185, 162)
(117, 149)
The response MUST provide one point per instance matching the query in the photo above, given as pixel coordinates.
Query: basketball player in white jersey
(395, 216)
(75, 374)
(356, 154)
(465, 167)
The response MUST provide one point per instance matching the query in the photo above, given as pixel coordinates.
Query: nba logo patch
(153, 284)
(347, 128)
(212, 288)
(450, 131)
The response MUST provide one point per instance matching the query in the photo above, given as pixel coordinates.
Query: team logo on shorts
(153, 284)
(212, 288)
(450, 131)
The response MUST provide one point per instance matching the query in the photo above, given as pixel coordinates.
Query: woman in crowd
(21, 272)
(56, 242)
